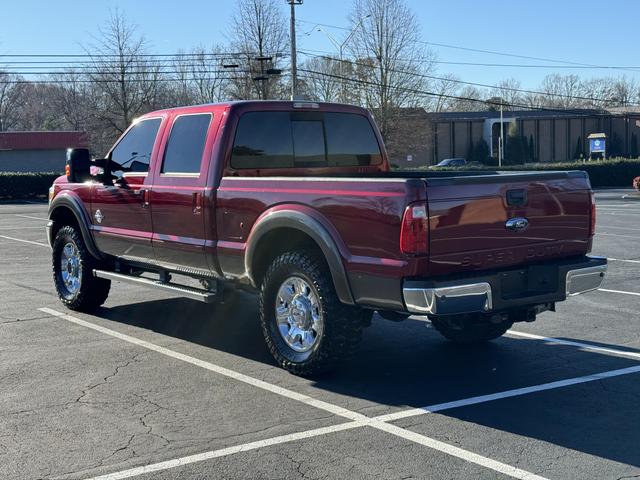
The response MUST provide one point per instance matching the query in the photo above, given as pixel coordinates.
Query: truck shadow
(409, 365)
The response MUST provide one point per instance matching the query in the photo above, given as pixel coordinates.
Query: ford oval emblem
(517, 224)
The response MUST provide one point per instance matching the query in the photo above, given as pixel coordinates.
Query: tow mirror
(78, 166)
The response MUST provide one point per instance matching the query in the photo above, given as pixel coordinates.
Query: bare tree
(470, 99)
(320, 78)
(509, 90)
(259, 35)
(70, 98)
(199, 76)
(125, 81)
(624, 91)
(560, 91)
(445, 87)
(387, 34)
(11, 96)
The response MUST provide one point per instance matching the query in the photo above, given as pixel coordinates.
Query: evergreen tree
(633, 151)
(471, 152)
(578, 152)
(481, 153)
(532, 149)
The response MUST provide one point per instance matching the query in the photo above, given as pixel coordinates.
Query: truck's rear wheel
(469, 328)
(73, 277)
(306, 327)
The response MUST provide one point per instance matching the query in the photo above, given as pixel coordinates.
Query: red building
(37, 151)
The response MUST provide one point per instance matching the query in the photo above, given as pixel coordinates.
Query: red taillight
(414, 235)
(592, 220)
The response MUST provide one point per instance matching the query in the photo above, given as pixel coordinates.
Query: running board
(205, 296)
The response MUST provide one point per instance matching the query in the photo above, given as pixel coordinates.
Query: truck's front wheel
(306, 327)
(73, 277)
(469, 328)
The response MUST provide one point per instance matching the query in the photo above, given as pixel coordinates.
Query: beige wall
(560, 140)
(461, 145)
(444, 141)
(545, 153)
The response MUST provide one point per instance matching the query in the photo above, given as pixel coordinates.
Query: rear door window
(185, 147)
(132, 154)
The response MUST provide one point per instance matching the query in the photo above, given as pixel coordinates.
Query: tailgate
(490, 221)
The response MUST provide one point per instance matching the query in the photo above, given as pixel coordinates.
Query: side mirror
(78, 166)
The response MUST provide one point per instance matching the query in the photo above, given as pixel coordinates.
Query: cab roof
(248, 105)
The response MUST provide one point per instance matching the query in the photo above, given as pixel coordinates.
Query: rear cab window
(267, 140)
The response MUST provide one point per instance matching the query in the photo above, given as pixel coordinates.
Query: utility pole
(294, 62)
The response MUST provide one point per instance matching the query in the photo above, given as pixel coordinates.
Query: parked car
(296, 201)
(450, 162)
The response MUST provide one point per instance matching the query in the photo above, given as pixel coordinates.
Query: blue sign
(597, 145)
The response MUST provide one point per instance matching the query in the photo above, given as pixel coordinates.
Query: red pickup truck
(296, 200)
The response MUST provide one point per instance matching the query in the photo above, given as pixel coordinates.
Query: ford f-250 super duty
(296, 200)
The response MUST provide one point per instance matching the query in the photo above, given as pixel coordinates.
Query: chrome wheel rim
(298, 314)
(70, 269)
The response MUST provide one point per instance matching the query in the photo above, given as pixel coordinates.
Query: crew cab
(295, 200)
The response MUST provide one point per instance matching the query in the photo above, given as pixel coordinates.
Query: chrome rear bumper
(484, 295)
(584, 280)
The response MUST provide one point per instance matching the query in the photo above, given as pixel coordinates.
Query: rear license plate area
(528, 282)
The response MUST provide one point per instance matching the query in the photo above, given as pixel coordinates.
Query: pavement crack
(106, 379)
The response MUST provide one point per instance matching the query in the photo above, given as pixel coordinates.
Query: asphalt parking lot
(155, 387)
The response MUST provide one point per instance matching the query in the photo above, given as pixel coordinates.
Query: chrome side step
(202, 295)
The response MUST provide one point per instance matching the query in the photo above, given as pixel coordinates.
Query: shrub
(18, 185)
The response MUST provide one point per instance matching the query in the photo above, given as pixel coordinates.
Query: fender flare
(315, 230)
(74, 204)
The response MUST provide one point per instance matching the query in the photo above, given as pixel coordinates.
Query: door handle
(196, 202)
(144, 193)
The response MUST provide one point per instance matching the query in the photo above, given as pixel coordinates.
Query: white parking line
(342, 412)
(636, 294)
(616, 235)
(605, 227)
(622, 260)
(200, 457)
(23, 228)
(507, 394)
(573, 343)
(31, 217)
(24, 241)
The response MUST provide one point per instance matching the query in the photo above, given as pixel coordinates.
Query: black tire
(342, 324)
(469, 329)
(91, 292)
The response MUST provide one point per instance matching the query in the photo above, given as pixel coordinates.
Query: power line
(98, 71)
(483, 85)
(435, 94)
(135, 55)
(130, 80)
(515, 65)
(494, 52)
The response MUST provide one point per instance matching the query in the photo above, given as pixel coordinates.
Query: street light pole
(294, 62)
(340, 47)
(501, 149)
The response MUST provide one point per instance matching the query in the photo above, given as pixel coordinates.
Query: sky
(580, 31)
